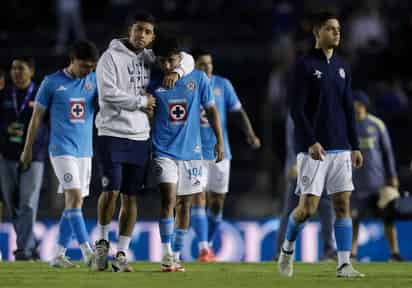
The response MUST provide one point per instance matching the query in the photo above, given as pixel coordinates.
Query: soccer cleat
(168, 263)
(120, 263)
(396, 257)
(90, 259)
(285, 263)
(206, 255)
(102, 252)
(178, 267)
(62, 261)
(347, 271)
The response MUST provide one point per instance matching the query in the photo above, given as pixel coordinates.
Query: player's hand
(316, 152)
(219, 150)
(170, 79)
(357, 159)
(253, 141)
(151, 103)
(25, 159)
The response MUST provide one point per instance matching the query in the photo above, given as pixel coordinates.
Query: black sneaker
(20, 255)
(396, 257)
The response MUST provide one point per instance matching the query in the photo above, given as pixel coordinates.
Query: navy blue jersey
(322, 104)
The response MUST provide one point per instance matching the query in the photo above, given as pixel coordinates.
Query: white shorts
(73, 172)
(217, 176)
(188, 175)
(334, 173)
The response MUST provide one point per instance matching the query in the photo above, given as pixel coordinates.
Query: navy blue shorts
(124, 163)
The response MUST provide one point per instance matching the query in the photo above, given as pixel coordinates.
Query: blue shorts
(124, 163)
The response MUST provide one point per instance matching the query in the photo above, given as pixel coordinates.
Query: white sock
(203, 245)
(288, 246)
(86, 250)
(343, 257)
(176, 256)
(124, 242)
(103, 231)
(60, 250)
(167, 248)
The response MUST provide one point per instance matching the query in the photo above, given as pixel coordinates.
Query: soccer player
(123, 74)
(377, 172)
(69, 95)
(206, 224)
(326, 214)
(326, 142)
(177, 148)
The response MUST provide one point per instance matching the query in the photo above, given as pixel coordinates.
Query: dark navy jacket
(322, 105)
(12, 150)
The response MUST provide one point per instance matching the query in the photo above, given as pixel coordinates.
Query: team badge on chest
(177, 111)
(342, 73)
(77, 110)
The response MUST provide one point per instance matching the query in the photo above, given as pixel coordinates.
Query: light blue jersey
(176, 128)
(71, 103)
(226, 101)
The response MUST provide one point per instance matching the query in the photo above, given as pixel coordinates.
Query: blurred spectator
(69, 19)
(21, 189)
(367, 28)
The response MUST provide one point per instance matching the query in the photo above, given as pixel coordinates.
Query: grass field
(198, 275)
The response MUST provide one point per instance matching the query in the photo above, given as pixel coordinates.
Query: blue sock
(178, 239)
(77, 224)
(293, 229)
(214, 221)
(65, 230)
(343, 234)
(166, 228)
(199, 222)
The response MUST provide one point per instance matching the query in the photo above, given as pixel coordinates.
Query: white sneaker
(285, 263)
(347, 271)
(168, 263)
(90, 260)
(62, 261)
(120, 263)
(102, 252)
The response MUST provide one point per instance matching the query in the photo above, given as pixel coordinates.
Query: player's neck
(326, 50)
(69, 72)
(132, 48)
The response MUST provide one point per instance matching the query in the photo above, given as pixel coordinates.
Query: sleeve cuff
(141, 102)
(210, 104)
(236, 107)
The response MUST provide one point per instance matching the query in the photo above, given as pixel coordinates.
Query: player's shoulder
(376, 121)
(196, 75)
(53, 78)
(220, 79)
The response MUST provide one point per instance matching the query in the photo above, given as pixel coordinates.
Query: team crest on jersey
(77, 110)
(217, 92)
(88, 86)
(342, 73)
(67, 177)
(177, 111)
(191, 85)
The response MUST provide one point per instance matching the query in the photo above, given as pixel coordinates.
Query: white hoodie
(122, 79)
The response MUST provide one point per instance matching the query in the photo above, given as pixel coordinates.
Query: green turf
(200, 275)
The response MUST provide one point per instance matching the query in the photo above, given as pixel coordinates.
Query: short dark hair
(196, 53)
(166, 46)
(29, 60)
(143, 16)
(320, 19)
(84, 50)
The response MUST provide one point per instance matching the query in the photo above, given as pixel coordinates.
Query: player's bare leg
(392, 237)
(308, 204)
(127, 220)
(105, 209)
(343, 235)
(166, 224)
